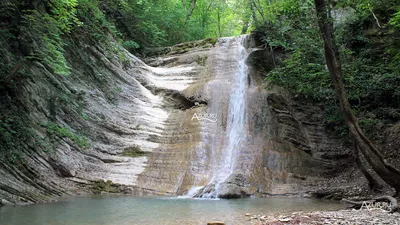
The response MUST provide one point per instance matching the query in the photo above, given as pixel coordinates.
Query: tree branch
(377, 21)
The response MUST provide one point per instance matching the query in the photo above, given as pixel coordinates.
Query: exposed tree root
(394, 206)
(373, 183)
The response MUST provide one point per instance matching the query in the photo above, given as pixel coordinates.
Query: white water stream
(236, 128)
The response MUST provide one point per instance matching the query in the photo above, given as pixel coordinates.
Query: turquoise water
(124, 210)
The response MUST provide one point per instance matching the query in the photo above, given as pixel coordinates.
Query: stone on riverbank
(344, 217)
(216, 223)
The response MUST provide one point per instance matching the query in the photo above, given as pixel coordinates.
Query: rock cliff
(137, 120)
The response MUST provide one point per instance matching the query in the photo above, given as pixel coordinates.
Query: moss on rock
(104, 186)
(133, 151)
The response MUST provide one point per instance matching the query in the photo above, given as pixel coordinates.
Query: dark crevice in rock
(172, 98)
(176, 100)
(118, 129)
(344, 156)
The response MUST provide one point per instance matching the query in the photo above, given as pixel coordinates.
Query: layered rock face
(124, 107)
(260, 143)
(200, 115)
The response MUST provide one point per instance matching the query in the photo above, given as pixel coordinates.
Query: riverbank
(342, 217)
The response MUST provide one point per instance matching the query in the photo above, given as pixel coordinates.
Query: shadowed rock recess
(138, 119)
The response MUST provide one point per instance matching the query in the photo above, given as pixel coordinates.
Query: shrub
(56, 130)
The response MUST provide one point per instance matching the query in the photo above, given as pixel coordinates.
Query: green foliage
(94, 28)
(160, 23)
(56, 130)
(333, 119)
(16, 138)
(123, 58)
(301, 76)
(369, 125)
(131, 46)
(84, 116)
(133, 151)
(369, 58)
(64, 13)
(46, 32)
(104, 186)
(291, 26)
(395, 20)
(13, 137)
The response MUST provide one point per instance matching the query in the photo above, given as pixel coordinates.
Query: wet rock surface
(231, 191)
(131, 105)
(116, 105)
(236, 186)
(344, 217)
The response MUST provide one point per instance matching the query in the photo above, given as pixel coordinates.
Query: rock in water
(231, 191)
(234, 187)
(216, 223)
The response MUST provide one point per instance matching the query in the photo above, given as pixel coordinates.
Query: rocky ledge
(342, 217)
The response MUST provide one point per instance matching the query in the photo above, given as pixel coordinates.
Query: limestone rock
(231, 191)
(135, 104)
(234, 187)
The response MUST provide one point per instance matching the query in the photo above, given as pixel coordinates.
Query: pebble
(343, 217)
(216, 223)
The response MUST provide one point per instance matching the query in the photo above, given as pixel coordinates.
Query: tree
(386, 171)
(189, 10)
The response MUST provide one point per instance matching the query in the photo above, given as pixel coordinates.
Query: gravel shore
(342, 217)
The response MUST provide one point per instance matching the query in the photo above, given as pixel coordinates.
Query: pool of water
(124, 210)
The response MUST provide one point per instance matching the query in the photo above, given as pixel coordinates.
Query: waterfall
(236, 118)
(225, 160)
(225, 135)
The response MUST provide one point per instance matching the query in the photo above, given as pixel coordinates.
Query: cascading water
(236, 127)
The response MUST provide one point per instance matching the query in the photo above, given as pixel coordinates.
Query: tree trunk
(372, 182)
(253, 12)
(246, 23)
(219, 22)
(386, 171)
(255, 7)
(189, 11)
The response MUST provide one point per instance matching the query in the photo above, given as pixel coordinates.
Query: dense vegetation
(367, 33)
